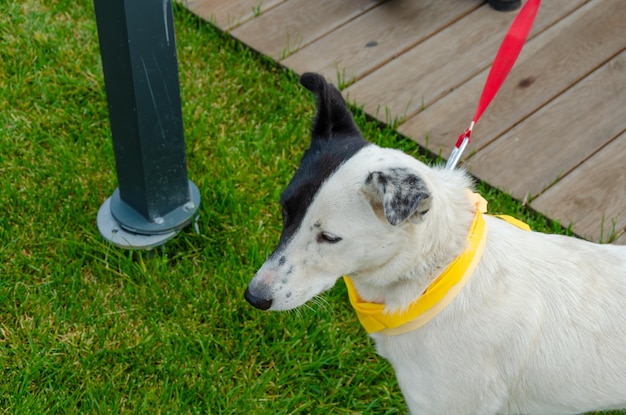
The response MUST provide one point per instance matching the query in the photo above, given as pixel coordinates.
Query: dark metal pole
(155, 199)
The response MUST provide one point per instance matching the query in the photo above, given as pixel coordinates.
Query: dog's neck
(431, 246)
(435, 298)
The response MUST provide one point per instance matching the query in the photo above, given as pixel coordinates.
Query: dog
(538, 328)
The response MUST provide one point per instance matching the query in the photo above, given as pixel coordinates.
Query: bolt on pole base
(122, 237)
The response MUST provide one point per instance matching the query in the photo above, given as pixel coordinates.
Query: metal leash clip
(459, 148)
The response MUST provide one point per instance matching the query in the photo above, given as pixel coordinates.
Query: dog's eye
(329, 238)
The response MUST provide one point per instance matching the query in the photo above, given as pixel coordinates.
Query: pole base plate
(113, 232)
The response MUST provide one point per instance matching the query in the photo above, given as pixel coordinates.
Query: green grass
(88, 328)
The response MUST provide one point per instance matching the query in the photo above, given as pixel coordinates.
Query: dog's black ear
(400, 193)
(333, 118)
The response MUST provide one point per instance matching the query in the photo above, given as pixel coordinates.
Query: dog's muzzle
(258, 302)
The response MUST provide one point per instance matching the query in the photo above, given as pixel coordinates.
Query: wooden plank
(296, 23)
(376, 37)
(622, 239)
(231, 13)
(554, 140)
(537, 152)
(592, 197)
(443, 62)
(547, 66)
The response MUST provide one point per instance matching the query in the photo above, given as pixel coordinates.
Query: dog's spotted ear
(399, 192)
(333, 118)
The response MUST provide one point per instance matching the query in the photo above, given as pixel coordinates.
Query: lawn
(89, 328)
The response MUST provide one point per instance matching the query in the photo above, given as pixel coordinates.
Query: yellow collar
(438, 294)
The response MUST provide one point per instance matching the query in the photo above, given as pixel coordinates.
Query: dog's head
(344, 211)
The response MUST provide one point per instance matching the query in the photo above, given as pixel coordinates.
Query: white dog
(538, 327)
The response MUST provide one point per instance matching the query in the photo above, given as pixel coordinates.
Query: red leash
(505, 58)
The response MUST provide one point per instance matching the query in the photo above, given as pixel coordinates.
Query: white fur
(540, 328)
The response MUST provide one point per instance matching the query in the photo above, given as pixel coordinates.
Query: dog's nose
(258, 302)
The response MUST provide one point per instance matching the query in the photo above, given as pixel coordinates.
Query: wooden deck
(554, 136)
